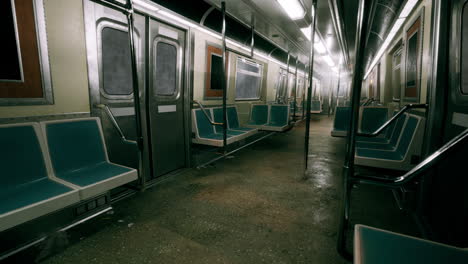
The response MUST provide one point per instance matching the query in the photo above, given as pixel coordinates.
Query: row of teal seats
(206, 133)
(51, 165)
(273, 117)
(372, 245)
(371, 118)
(396, 149)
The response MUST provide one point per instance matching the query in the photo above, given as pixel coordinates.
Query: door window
(116, 63)
(165, 70)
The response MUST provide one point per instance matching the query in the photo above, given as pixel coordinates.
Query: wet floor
(256, 207)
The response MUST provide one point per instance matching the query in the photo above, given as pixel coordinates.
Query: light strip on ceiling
(146, 5)
(328, 60)
(306, 32)
(407, 9)
(293, 8)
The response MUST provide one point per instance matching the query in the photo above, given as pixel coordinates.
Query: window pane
(116, 62)
(247, 86)
(464, 60)
(216, 72)
(10, 68)
(411, 68)
(166, 69)
(248, 67)
(248, 80)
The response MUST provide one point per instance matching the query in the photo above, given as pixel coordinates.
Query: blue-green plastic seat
(373, 245)
(278, 116)
(389, 143)
(316, 106)
(401, 148)
(258, 115)
(218, 117)
(205, 129)
(342, 116)
(24, 181)
(233, 120)
(373, 118)
(79, 156)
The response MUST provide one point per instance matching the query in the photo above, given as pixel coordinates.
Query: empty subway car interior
(250, 131)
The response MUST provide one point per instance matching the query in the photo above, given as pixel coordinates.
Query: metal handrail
(206, 114)
(114, 123)
(368, 102)
(391, 120)
(421, 168)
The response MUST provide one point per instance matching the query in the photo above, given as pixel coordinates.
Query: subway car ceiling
(104, 99)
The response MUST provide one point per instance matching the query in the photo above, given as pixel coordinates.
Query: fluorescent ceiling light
(293, 8)
(407, 9)
(329, 60)
(146, 5)
(320, 48)
(307, 33)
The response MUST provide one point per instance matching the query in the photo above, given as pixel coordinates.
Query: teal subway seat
(278, 118)
(206, 133)
(373, 118)
(258, 116)
(218, 118)
(372, 245)
(341, 122)
(316, 106)
(79, 156)
(233, 121)
(398, 153)
(27, 188)
(388, 142)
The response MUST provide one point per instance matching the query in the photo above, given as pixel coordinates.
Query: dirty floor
(256, 207)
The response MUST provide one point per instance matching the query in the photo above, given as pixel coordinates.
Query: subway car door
(165, 97)
(448, 205)
(110, 76)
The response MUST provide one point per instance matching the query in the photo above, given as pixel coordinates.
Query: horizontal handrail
(206, 114)
(368, 102)
(427, 164)
(391, 120)
(114, 123)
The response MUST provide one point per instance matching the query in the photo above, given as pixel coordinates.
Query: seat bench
(79, 156)
(316, 107)
(397, 154)
(269, 117)
(341, 122)
(28, 189)
(206, 134)
(232, 122)
(372, 245)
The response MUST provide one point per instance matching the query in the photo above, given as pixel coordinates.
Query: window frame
(103, 25)
(260, 73)
(208, 93)
(43, 61)
(415, 26)
(179, 68)
(463, 7)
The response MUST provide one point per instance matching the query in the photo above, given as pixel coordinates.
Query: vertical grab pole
(348, 167)
(252, 37)
(285, 95)
(311, 73)
(136, 89)
(304, 91)
(339, 82)
(223, 10)
(295, 89)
